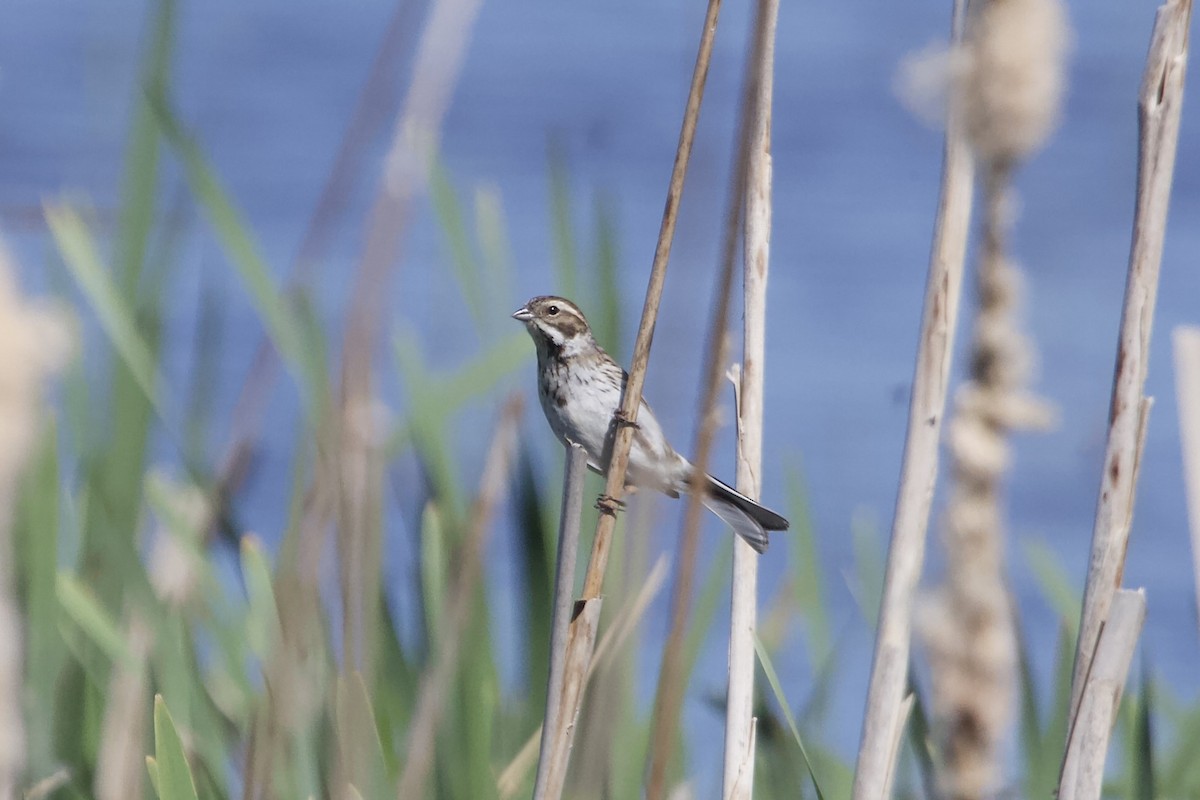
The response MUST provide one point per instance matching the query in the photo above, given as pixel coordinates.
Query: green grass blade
(868, 564)
(174, 776)
(490, 232)
(1143, 785)
(139, 184)
(607, 323)
(1054, 583)
(481, 374)
(358, 736)
(433, 571)
(37, 554)
(262, 617)
(920, 737)
(82, 256)
(806, 575)
(452, 222)
(773, 680)
(705, 608)
(246, 257)
(85, 609)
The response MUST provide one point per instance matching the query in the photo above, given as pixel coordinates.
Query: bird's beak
(523, 314)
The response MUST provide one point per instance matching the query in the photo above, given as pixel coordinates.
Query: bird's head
(553, 321)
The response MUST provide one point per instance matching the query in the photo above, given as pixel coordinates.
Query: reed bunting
(580, 388)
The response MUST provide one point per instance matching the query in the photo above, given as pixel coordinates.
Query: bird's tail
(749, 519)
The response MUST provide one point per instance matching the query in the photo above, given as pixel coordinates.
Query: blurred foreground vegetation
(169, 653)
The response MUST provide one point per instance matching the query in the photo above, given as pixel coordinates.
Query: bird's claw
(607, 504)
(622, 420)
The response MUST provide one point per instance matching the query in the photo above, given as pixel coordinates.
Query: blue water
(268, 86)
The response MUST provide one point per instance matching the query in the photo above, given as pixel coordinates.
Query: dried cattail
(1012, 77)
(1009, 93)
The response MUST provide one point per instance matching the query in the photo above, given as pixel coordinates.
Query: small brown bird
(580, 388)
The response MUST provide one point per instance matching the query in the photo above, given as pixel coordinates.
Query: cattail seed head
(1013, 77)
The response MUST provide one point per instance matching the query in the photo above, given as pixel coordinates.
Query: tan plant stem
(1087, 748)
(439, 60)
(627, 618)
(555, 746)
(738, 773)
(1187, 383)
(582, 638)
(121, 765)
(614, 485)
(1160, 104)
(668, 698)
(438, 675)
(918, 474)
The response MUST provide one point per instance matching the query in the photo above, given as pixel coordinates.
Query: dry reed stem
(581, 642)
(359, 493)
(1187, 385)
(294, 677)
(738, 773)
(564, 594)
(121, 762)
(668, 695)
(614, 485)
(1087, 748)
(883, 721)
(1159, 107)
(437, 676)
(623, 624)
(34, 343)
(668, 699)
(365, 121)
(439, 60)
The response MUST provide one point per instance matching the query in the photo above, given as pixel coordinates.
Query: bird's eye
(552, 310)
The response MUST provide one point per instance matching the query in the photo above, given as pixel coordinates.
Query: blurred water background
(268, 87)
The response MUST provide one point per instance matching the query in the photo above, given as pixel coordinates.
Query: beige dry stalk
(555, 746)
(884, 718)
(121, 764)
(1187, 387)
(582, 638)
(738, 773)
(1009, 95)
(438, 62)
(34, 342)
(1098, 660)
(1160, 106)
(438, 674)
(668, 698)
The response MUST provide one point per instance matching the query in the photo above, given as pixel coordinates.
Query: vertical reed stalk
(738, 774)
(1160, 104)
(668, 698)
(883, 721)
(582, 638)
(436, 679)
(1087, 748)
(439, 60)
(555, 746)
(1187, 384)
